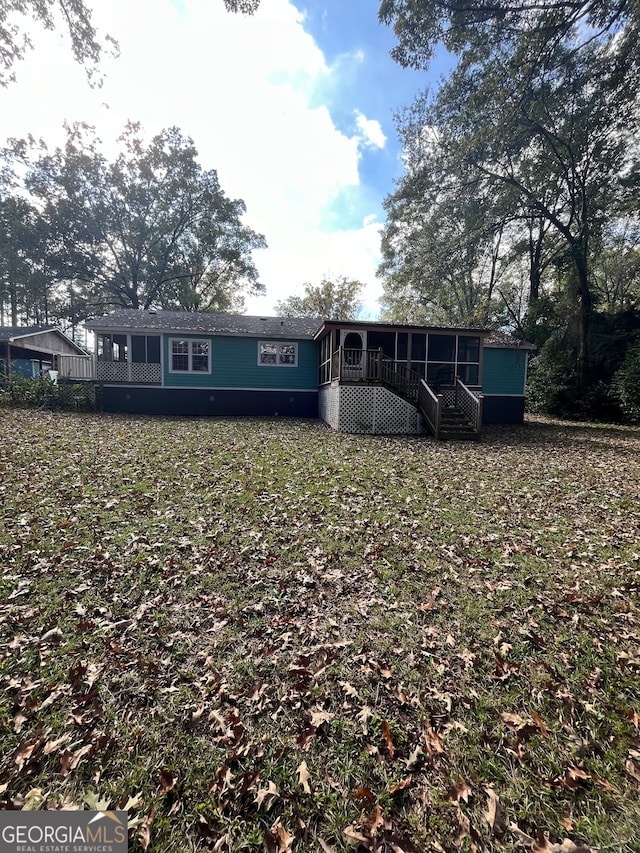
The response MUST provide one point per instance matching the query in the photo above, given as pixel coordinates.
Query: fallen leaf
(374, 822)
(633, 769)
(489, 813)
(433, 741)
(387, 737)
(400, 786)
(267, 796)
(304, 776)
(513, 721)
(537, 719)
(363, 718)
(364, 794)
(355, 838)
(167, 781)
(144, 836)
(460, 791)
(18, 721)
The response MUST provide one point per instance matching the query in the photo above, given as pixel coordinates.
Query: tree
(616, 268)
(14, 42)
(151, 228)
(545, 126)
(330, 300)
(470, 28)
(246, 7)
(444, 248)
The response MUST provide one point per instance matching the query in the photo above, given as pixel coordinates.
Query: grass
(262, 635)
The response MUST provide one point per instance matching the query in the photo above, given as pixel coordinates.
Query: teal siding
(504, 371)
(234, 364)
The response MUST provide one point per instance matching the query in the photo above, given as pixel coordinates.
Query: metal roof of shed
(35, 338)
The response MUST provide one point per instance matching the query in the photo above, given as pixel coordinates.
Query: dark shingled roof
(131, 320)
(505, 341)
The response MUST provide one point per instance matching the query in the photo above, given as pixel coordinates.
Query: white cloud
(245, 89)
(371, 131)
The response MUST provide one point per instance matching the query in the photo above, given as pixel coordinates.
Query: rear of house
(358, 377)
(171, 362)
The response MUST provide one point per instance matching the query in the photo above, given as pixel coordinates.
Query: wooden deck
(450, 411)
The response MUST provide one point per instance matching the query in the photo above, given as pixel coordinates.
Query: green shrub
(43, 393)
(626, 384)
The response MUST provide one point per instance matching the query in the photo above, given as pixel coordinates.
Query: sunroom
(123, 357)
(385, 378)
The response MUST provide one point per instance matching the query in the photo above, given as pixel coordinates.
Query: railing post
(479, 414)
(438, 416)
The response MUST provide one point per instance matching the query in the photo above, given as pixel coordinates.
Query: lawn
(260, 635)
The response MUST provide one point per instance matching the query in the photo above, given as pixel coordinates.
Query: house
(31, 351)
(357, 376)
(175, 362)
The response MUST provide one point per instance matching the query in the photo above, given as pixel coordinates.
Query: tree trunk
(585, 308)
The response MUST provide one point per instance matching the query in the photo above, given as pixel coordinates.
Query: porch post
(8, 359)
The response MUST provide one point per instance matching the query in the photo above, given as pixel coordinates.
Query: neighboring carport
(21, 346)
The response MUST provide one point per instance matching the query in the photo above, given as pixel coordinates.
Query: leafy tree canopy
(470, 28)
(150, 228)
(336, 299)
(86, 45)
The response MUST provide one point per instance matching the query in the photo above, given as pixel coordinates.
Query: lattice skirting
(368, 409)
(328, 405)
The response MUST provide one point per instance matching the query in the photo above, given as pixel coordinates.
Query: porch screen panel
(386, 341)
(442, 348)
(402, 346)
(468, 367)
(105, 348)
(145, 349)
(418, 353)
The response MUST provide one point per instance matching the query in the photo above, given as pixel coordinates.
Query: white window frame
(278, 345)
(191, 342)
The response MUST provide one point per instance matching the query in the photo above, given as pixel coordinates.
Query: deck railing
(75, 367)
(430, 405)
(357, 365)
(469, 403)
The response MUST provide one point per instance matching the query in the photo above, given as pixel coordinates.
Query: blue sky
(293, 106)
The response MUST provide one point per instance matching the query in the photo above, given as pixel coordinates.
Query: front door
(354, 350)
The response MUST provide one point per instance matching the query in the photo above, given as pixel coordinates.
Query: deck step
(455, 426)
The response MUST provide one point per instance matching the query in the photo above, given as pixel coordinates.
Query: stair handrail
(470, 403)
(430, 405)
(399, 376)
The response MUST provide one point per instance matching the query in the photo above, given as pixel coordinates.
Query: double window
(189, 356)
(276, 354)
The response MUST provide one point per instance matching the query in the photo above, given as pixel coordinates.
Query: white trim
(503, 395)
(277, 343)
(313, 390)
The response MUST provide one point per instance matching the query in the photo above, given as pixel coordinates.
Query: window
(187, 356)
(276, 354)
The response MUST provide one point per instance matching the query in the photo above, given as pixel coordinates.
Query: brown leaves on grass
(387, 738)
(265, 598)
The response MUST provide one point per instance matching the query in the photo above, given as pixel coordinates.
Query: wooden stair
(456, 426)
